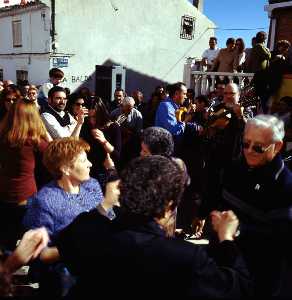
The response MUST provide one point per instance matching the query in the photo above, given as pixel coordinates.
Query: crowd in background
(111, 180)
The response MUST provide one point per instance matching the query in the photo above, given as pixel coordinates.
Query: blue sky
(246, 14)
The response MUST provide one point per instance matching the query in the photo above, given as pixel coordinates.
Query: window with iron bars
(187, 27)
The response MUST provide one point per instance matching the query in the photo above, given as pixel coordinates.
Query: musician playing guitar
(166, 115)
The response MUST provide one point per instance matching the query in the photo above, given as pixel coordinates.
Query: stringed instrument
(220, 119)
(180, 113)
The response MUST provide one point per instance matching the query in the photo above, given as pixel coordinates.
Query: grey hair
(268, 121)
(128, 101)
(159, 141)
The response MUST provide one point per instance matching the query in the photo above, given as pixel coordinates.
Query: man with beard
(59, 122)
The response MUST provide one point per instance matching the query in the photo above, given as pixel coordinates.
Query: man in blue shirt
(166, 113)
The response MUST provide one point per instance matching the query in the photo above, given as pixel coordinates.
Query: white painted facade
(33, 55)
(141, 35)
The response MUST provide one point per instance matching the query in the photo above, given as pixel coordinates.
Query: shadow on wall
(101, 83)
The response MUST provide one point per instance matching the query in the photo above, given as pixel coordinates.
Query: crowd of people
(100, 188)
(268, 66)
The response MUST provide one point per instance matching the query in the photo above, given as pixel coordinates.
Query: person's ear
(65, 170)
(278, 146)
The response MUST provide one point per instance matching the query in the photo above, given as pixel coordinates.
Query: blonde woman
(23, 138)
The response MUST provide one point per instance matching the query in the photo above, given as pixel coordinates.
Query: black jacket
(132, 257)
(262, 200)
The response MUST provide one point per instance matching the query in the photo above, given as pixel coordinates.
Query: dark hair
(219, 81)
(72, 100)
(148, 184)
(13, 87)
(230, 41)
(287, 100)
(3, 96)
(213, 38)
(56, 89)
(203, 98)
(175, 87)
(159, 141)
(191, 91)
(56, 73)
(120, 90)
(102, 114)
(261, 37)
(283, 43)
(242, 43)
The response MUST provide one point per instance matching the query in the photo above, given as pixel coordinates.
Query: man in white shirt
(59, 122)
(210, 54)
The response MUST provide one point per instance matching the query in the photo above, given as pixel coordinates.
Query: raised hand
(82, 114)
(98, 135)
(225, 224)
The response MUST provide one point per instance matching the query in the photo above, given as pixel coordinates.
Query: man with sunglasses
(258, 188)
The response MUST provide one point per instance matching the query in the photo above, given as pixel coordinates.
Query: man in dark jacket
(134, 255)
(258, 189)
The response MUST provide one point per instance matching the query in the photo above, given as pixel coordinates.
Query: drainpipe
(53, 27)
(199, 4)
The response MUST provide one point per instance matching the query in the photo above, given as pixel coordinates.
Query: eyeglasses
(79, 104)
(256, 148)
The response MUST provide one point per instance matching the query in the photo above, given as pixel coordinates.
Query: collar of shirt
(60, 113)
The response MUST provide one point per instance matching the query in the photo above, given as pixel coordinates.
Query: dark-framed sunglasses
(79, 104)
(256, 148)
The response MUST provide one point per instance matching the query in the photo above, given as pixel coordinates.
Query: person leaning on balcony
(247, 68)
(260, 54)
(210, 54)
(240, 57)
(225, 58)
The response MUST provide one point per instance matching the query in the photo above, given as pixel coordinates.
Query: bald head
(128, 104)
(231, 94)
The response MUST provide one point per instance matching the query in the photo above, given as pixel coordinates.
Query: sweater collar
(273, 169)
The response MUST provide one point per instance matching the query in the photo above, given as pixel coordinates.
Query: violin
(219, 119)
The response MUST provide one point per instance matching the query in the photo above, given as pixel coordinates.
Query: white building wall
(37, 67)
(33, 56)
(142, 35)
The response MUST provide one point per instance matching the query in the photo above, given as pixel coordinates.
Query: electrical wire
(232, 29)
(189, 49)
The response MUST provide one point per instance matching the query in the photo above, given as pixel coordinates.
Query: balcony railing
(204, 82)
